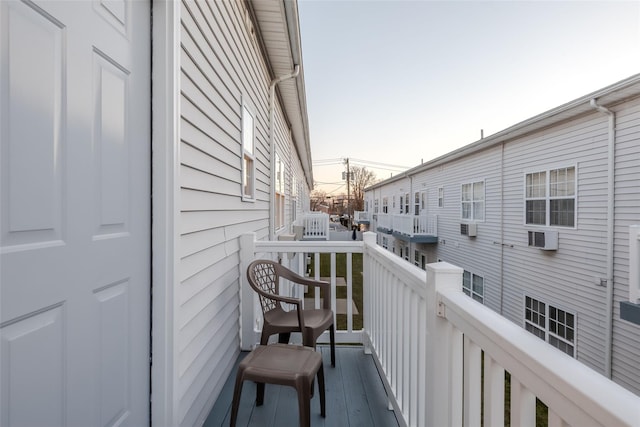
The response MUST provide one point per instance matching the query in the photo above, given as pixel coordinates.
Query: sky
(392, 83)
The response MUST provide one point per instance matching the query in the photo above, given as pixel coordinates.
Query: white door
(75, 214)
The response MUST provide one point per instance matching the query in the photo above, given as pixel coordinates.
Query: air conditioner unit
(470, 230)
(545, 240)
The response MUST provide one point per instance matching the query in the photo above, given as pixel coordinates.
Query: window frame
(248, 160)
(473, 201)
(548, 198)
(279, 192)
(545, 330)
(471, 288)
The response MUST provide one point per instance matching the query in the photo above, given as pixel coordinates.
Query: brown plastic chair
(264, 277)
(282, 364)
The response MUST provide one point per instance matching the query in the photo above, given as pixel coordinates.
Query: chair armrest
(325, 287)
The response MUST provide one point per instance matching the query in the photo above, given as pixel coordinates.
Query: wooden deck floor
(355, 396)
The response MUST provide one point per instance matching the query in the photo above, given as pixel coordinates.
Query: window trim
(472, 294)
(484, 200)
(548, 197)
(248, 155)
(547, 332)
(280, 193)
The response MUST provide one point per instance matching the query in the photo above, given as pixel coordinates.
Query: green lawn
(341, 291)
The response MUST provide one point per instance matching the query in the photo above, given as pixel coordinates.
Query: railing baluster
(472, 383)
(349, 292)
(493, 392)
(523, 405)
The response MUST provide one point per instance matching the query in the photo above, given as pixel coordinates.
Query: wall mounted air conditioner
(545, 240)
(470, 230)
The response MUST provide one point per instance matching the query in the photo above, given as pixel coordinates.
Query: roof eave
(608, 96)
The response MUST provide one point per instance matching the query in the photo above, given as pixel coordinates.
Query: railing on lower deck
(430, 342)
(412, 225)
(315, 225)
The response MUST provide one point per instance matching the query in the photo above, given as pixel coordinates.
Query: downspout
(272, 146)
(610, 236)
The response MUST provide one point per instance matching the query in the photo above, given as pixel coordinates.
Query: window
(406, 203)
(419, 260)
(550, 197)
(423, 200)
(401, 203)
(416, 204)
(441, 197)
(473, 285)
(248, 158)
(385, 205)
(551, 324)
(473, 201)
(294, 198)
(375, 206)
(279, 193)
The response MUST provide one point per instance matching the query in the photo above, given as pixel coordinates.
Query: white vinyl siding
(225, 160)
(626, 336)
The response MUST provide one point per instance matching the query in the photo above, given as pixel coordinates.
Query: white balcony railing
(385, 221)
(412, 225)
(315, 225)
(430, 341)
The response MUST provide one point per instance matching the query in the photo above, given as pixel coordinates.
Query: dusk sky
(396, 82)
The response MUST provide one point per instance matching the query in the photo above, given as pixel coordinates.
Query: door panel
(75, 213)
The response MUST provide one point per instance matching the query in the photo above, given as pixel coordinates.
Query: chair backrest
(264, 279)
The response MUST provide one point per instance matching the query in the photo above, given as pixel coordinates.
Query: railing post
(443, 378)
(247, 320)
(369, 241)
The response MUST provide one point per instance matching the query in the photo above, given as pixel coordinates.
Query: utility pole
(348, 195)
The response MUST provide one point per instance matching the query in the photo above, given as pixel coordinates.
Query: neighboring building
(121, 211)
(538, 217)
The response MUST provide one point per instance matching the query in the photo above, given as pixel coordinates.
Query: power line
(377, 165)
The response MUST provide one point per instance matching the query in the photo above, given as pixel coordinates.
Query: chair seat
(282, 364)
(288, 320)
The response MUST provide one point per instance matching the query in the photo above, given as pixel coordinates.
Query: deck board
(354, 392)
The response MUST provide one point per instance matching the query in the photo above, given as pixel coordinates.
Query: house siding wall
(222, 67)
(568, 278)
(626, 336)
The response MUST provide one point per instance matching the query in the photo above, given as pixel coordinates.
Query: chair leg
(321, 389)
(259, 394)
(237, 392)
(284, 337)
(332, 338)
(304, 403)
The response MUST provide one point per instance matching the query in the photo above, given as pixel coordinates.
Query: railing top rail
(414, 277)
(322, 246)
(575, 392)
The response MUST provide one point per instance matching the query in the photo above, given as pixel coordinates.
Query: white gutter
(610, 229)
(272, 144)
